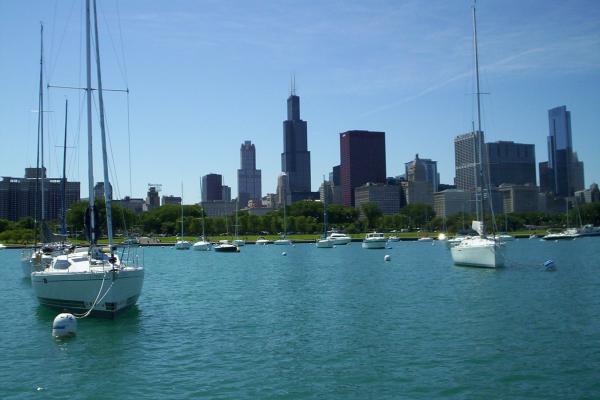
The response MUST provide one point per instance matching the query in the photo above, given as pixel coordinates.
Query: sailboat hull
(484, 255)
(76, 292)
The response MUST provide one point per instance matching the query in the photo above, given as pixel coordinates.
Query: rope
(81, 316)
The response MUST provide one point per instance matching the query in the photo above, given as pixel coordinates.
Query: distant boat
(504, 237)
(225, 246)
(262, 241)
(374, 241)
(283, 240)
(394, 239)
(324, 242)
(567, 234)
(425, 239)
(339, 238)
(237, 241)
(2, 247)
(202, 244)
(181, 243)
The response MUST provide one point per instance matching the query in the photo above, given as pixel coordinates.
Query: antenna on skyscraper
(293, 85)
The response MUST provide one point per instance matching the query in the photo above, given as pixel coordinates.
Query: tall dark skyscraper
(295, 159)
(212, 187)
(249, 178)
(511, 163)
(563, 168)
(362, 155)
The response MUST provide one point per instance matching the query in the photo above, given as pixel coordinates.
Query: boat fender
(549, 265)
(387, 257)
(64, 325)
(284, 254)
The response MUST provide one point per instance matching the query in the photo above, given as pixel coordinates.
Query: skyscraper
(249, 178)
(511, 163)
(467, 159)
(212, 187)
(362, 155)
(423, 170)
(295, 159)
(564, 169)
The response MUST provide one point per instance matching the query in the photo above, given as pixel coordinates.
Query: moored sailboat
(95, 281)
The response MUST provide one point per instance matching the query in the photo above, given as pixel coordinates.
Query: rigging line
(122, 45)
(129, 143)
(52, 65)
(119, 62)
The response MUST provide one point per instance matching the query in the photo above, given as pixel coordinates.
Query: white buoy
(64, 324)
(284, 254)
(387, 257)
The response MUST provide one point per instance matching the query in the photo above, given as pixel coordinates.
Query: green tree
(372, 214)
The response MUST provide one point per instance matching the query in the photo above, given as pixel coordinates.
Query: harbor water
(337, 323)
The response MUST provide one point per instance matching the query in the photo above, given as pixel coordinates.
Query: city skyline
(378, 80)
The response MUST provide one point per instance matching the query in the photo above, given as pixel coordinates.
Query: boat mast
(63, 182)
(202, 205)
(107, 191)
(88, 90)
(41, 124)
(479, 134)
(181, 209)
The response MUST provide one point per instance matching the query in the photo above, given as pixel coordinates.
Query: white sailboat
(283, 240)
(96, 281)
(478, 251)
(324, 242)
(181, 243)
(38, 258)
(202, 244)
(237, 241)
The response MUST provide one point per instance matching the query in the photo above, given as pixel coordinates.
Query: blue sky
(206, 75)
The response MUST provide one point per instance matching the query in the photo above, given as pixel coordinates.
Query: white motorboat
(96, 282)
(478, 251)
(239, 242)
(567, 234)
(374, 240)
(225, 246)
(262, 241)
(393, 239)
(504, 237)
(2, 247)
(339, 238)
(425, 239)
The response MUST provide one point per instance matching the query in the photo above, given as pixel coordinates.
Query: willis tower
(295, 159)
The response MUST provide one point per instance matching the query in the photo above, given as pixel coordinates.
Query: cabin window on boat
(62, 264)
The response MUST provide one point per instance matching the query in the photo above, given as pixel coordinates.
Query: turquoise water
(322, 323)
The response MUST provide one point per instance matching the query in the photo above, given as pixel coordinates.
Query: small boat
(339, 238)
(374, 240)
(394, 239)
(225, 246)
(182, 245)
(567, 234)
(2, 247)
(504, 237)
(262, 241)
(284, 241)
(239, 242)
(425, 239)
(202, 245)
(324, 242)
(534, 236)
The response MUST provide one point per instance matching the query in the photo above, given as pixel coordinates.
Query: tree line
(304, 217)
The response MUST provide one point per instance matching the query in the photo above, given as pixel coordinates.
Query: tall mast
(41, 121)
(107, 191)
(181, 209)
(88, 89)
(202, 205)
(63, 182)
(479, 134)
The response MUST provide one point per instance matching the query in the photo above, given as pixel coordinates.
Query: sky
(203, 76)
